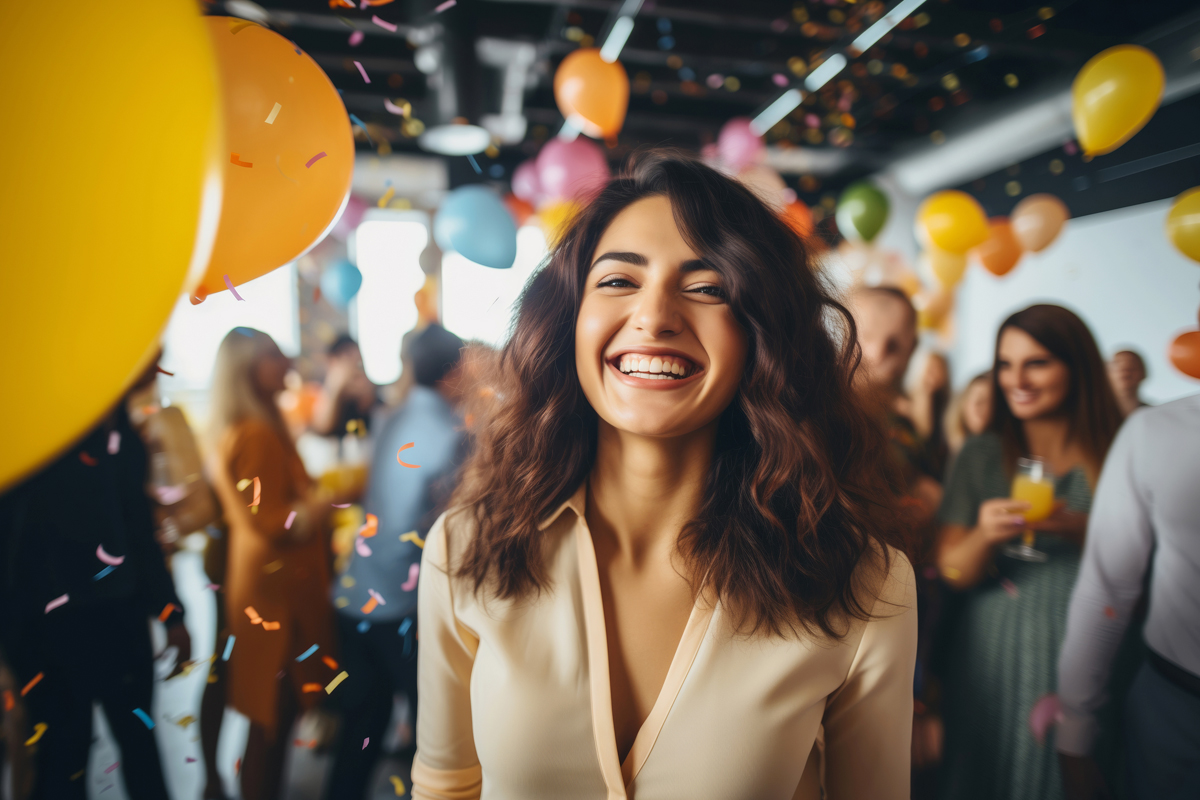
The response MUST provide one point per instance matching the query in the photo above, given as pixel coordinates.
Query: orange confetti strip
(370, 528)
(9, 700)
(310, 687)
(401, 450)
(270, 626)
(254, 616)
(36, 680)
(87, 459)
(166, 612)
(233, 159)
(329, 662)
(370, 606)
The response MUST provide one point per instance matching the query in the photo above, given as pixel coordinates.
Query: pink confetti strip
(216, 587)
(414, 570)
(114, 442)
(287, 526)
(394, 109)
(378, 597)
(1009, 587)
(445, 5)
(361, 548)
(114, 561)
(229, 286)
(114, 765)
(316, 158)
(362, 72)
(365, 741)
(356, 38)
(56, 602)
(383, 23)
(340, 505)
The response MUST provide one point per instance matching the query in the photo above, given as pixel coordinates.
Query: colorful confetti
(185, 720)
(38, 730)
(114, 442)
(310, 687)
(397, 784)
(229, 286)
(402, 111)
(111, 767)
(10, 702)
(362, 125)
(356, 38)
(333, 684)
(383, 23)
(162, 371)
(287, 526)
(362, 72)
(87, 459)
(1110, 612)
(1009, 587)
(103, 573)
(235, 160)
(377, 597)
(414, 570)
(404, 626)
(401, 450)
(190, 760)
(341, 505)
(369, 606)
(101, 554)
(314, 159)
(228, 647)
(274, 112)
(474, 164)
(274, 566)
(365, 741)
(270, 626)
(255, 617)
(308, 652)
(387, 197)
(361, 548)
(329, 662)
(445, 5)
(370, 528)
(413, 537)
(166, 612)
(56, 602)
(34, 681)
(145, 718)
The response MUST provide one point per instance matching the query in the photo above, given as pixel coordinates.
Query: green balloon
(861, 211)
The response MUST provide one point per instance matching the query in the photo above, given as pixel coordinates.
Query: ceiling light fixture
(776, 111)
(826, 72)
(888, 21)
(455, 140)
(619, 33)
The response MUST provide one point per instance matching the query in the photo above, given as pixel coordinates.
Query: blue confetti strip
(307, 653)
(145, 718)
(228, 647)
(364, 626)
(404, 626)
(362, 125)
(103, 572)
(474, 164)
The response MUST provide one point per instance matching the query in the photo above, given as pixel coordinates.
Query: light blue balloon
(340, 281)
(474, 222)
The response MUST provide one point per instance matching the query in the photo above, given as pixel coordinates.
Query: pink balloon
(350, 219)
(738, 144)
(575, 170)
(525, 182)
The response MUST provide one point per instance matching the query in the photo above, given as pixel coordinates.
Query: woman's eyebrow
(636, 259)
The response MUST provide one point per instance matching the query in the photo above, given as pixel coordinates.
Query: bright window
(479, 302)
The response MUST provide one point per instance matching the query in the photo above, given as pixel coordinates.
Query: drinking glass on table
(1034, 484)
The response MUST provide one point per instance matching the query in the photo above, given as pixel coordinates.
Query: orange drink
(1039, 495)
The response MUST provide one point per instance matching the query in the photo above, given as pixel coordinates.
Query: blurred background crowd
(225, 439)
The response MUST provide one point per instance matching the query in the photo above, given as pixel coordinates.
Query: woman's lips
(659, 383)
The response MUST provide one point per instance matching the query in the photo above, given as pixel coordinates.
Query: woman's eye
(712, 291)
(619, 283)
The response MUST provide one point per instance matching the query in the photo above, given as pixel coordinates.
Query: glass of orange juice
(1033, 483)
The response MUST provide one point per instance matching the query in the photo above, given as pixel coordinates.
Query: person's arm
(964, 553)
(868, 721)
(327, 409)
(446, 766)
(1120, 539)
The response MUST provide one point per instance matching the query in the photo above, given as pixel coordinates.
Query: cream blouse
(515, 702)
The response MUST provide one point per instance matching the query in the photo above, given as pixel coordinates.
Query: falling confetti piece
(274, 566)
(370, 528)
(340, 505)
(170, 495)
(413, 537)
(333, 684)
(106, 558)
(474, 164)
(270, 626)
(254, 616)
(145, 718)
(1110, 612)
(365, 741)
(242, 484)
(362, 72)
(401, 450)
(387, 26)
(56, 602)
(404, 626)
(369, 606)
(38, 730)
(341, 602)
(234, 159)
(87, 459)
(362, 125)
(363, 626)
(356, 38)
(329, 662)
(257, 493)
(228, 648)
(397, 784)
(114, 442)
(229, 286)
(111, 767)
(308, 652)
(103, 573)
(287, 526)
(779, 79)
(952, 573)
(166, 612)
(314, 159)
(387, 197)
(184, 721)
(32, 683)
(9, 701)
(402, 111)
(377, 596)
(1009, 587)
(78, 775)
(190, 760)
(162, 371)
(348, 581)
(216, 587)
(310, 687)
(361, 548)
(414, 570)
(445, 5)
(274, 111)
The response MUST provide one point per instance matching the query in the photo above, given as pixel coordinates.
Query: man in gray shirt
(1145, 518)
(413, 473)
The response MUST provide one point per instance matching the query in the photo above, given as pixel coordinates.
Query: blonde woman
(278, 573)
(970, 412)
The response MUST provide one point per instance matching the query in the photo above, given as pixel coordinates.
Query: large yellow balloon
(89, 286)
(952, 221)
(1183, 223)
(289, 153)
(1114, 95)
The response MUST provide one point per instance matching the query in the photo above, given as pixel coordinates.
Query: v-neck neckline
(619, 775)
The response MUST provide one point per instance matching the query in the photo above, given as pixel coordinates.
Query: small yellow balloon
(1114, 96)
(88, 292)
(556, 217)
(951, 221)
(948, 268)
(1183, 223)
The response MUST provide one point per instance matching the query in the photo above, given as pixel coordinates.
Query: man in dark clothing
(80, 577)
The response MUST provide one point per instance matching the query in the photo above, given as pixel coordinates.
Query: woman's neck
(643, 490)
(1046, 438)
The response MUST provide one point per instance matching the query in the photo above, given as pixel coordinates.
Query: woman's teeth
(654, 367)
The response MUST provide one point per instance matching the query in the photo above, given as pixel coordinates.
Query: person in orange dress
(278, 572)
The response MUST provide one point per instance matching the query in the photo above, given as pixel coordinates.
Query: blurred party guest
(376, 596)
(1051, 401)
(348, 396)
(1145, 523)
(930, 397)
(80, 577)
(277, 576)
(674, 514)
(1126, 372)
(969, 413)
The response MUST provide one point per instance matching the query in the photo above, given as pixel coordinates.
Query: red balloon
(521, 210)
(1185, 353)
(799, 218)
(1001, 252)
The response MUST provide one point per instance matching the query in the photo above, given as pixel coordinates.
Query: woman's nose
(657, 312)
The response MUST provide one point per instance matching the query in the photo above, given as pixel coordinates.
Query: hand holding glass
(1033, 484)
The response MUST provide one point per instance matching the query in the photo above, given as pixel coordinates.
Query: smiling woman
(675, 514)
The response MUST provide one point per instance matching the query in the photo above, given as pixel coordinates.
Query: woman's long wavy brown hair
(797, 497)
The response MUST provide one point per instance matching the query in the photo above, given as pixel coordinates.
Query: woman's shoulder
(887, 580)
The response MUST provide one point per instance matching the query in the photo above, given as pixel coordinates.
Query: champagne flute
(1033, 483)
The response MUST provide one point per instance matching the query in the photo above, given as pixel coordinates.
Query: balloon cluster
(1183, 229)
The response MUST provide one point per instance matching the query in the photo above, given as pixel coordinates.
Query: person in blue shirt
(376, 596)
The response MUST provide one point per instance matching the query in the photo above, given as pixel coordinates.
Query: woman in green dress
(1052, 401)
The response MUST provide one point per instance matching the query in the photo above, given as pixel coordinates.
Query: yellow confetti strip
(274, 566)
(412, 536)
(341, 602)
(333, 684)
(274, 113)
(183, 722)
(397, 784)
(243, 483)
(40, 728)
(387, 197)
(952, 573)
(348, 581)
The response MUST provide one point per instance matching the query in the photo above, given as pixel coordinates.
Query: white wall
(1116, 270)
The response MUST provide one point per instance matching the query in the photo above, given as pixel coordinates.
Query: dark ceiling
(695, 64)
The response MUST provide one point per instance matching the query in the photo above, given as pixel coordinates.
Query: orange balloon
(593, 91)
(1037, 220)
(933, 309)
(291, 153)
(1001, 252)
(1185, 353)
(521, 210)
(799, 218)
